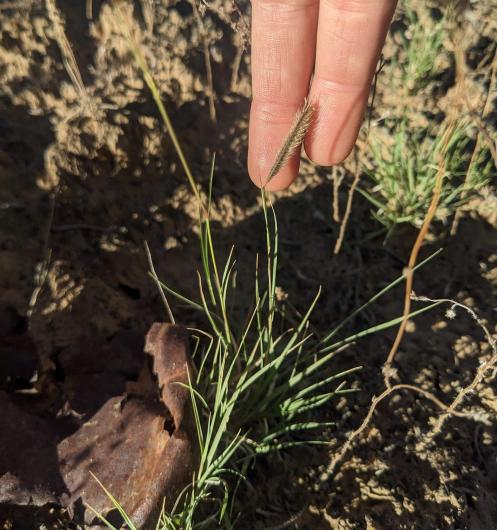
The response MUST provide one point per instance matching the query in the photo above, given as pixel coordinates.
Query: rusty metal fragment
(136, 435)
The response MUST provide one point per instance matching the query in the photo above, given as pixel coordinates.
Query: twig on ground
(68, 58)
(154, 90)
(337, 176)
(388, 370)
(484, 368)
(348, 208)
(237, 61)
(89, 9)
(387, 392)
(381, 65)
(148, 10)
(207, 60)
(485, 109)
(490, 365)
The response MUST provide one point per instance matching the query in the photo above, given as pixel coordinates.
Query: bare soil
(85, 181)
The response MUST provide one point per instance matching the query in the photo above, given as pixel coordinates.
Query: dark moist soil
(83, 184)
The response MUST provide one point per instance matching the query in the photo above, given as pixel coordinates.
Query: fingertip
(269, 126)
(338, 118)
(327, 152)
(259, 171)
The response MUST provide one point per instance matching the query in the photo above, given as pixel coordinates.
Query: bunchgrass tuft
(402, 173)
(259, 379)
(422, 46)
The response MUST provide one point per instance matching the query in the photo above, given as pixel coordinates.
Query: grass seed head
(294, 139)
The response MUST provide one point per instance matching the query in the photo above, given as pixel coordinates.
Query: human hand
(339, 43)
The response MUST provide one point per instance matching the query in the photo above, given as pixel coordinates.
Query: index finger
(350, 36)
(283, 46)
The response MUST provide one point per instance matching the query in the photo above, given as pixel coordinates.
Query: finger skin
(283, 49)
(350, 36)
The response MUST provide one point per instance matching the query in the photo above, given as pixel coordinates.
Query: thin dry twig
(381, 65)
(489, 365)
(348, 208)
(154, 90)
(239, 23)
(148, 10)
(294, 139)
(387, 392)
(237, 61)
(485, 109)
(337, 176)
(387, 368)
(89, 9)
(207, 60)
(68, 58)
(491, 141)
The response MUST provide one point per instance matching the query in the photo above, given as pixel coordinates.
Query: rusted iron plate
(139, 443)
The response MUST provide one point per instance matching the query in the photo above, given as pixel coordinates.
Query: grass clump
(258, 382)
(403, 167)
(421, 48)
(258, 379)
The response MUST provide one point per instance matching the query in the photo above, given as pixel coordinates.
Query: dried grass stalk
(294, 139)
(68, 58)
